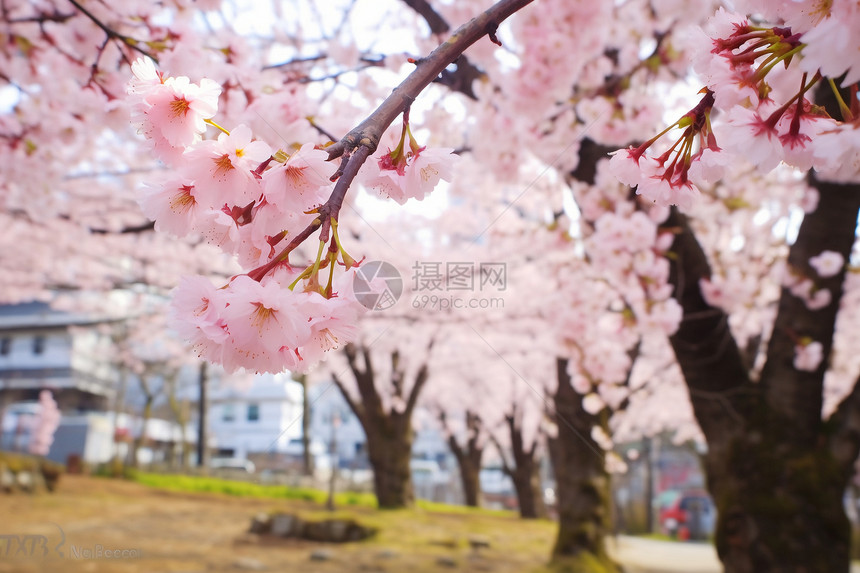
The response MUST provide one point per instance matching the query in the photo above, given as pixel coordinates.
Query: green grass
(418, 536)
(200, 484)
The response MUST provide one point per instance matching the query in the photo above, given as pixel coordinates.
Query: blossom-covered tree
(45, 424)
(747, 273)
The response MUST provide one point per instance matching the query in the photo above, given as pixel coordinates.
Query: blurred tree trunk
(776, 470)
(389, 433)
(523, 468)
(389, 448)
(468, 457)
(180, 416)
(145, 415)
(582, 483)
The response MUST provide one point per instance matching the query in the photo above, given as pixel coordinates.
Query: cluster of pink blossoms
(409, 172)
(748, 70)
(826, 264)
(45, 424)
(259, 204)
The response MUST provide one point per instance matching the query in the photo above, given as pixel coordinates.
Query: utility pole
(202, 407)
(649, 485)
(335, 422)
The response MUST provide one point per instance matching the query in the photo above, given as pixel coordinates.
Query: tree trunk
(390, 453)
(582, 483)
(389, 432)
(470, 477)
(526, 480)
(468, 458)
(776, 470)
(138, 440)
(779, 506)
(524, 472)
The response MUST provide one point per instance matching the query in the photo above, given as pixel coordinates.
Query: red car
(687, 515)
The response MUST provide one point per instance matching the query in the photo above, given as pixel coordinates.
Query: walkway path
(650, 556)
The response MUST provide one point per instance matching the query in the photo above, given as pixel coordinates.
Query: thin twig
(363, 140)
(127, 40)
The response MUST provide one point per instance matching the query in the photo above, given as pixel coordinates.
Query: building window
(253, 412)
(5, 346)
(39, 345)
(229, 413)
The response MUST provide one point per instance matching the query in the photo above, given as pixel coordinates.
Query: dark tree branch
(506, 467)
(133, 229)
(420, 381)
(113, 34)
(795, 395)
(844, 441)
(368, 132)
(353, 405)
(704, 346)
(371, 402)
(437, 23)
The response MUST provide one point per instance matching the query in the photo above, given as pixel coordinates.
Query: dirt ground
(107, 526)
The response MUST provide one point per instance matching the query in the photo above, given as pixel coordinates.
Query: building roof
(35, 314)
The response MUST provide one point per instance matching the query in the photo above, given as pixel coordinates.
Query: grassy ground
(174, 528)
(197, 484)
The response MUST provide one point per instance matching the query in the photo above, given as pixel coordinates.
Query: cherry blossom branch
(357, 145)
(461, 79)
(113, 34)
(437, 23)
(369, 132)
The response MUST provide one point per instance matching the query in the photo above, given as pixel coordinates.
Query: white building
(41, 348)
(260, 419)
(70, 355)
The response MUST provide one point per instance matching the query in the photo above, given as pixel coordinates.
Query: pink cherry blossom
(223, 170)
(301, 183)
(195, 313)
(808, 356)
(171, 205)
(750, 135)
(827, 263)
(832, 45)
(413, 176)
(264, 317)
(172, 109)
(819, 298)
(45, 426)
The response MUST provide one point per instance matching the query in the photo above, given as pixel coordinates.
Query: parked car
(687, 515)
(232, 465)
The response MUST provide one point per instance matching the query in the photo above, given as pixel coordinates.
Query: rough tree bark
(389, 433)
(523, 468)
(777, 471)
(468, 456)
(582, 483)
